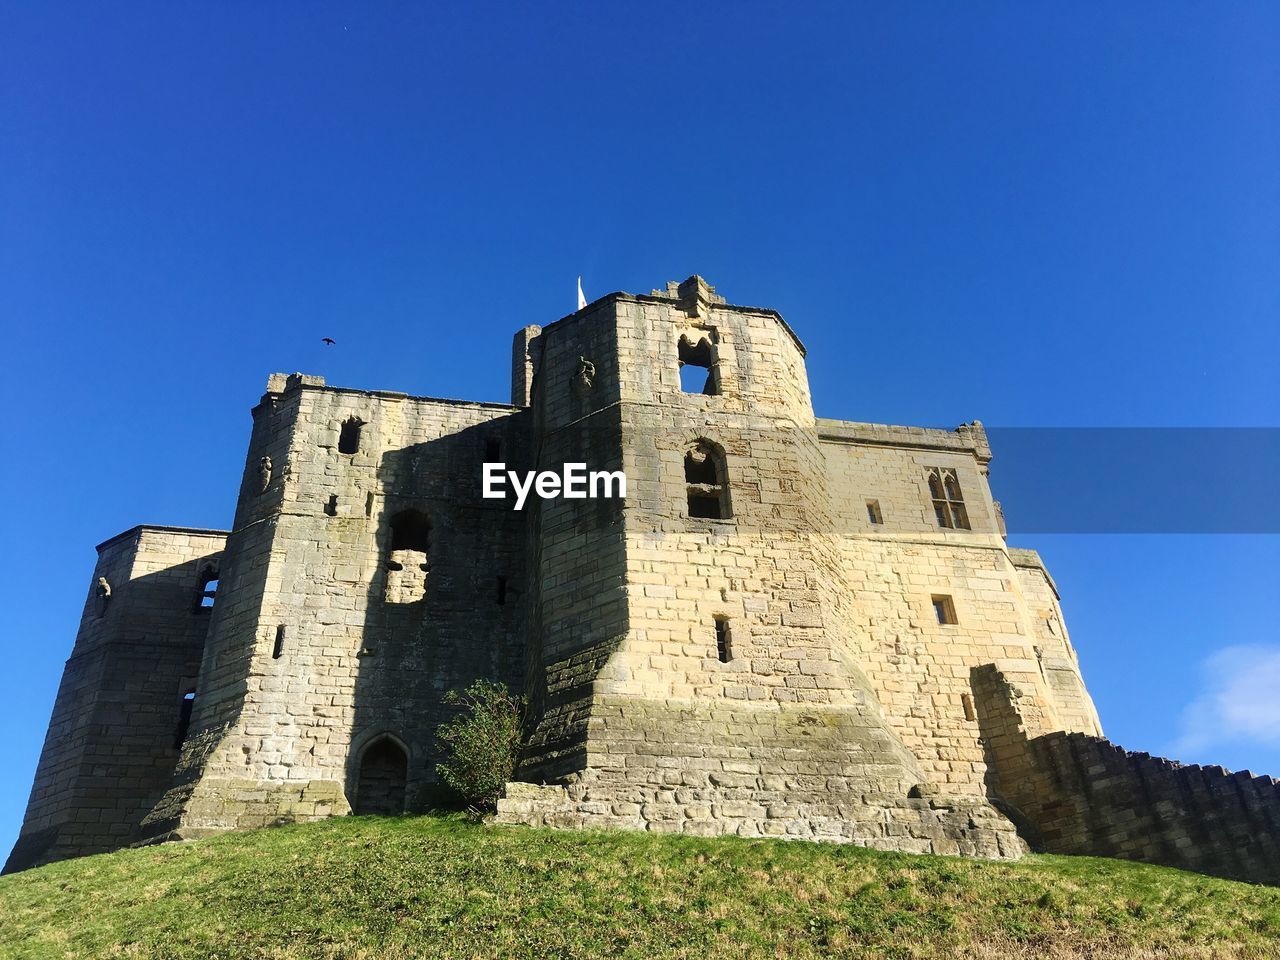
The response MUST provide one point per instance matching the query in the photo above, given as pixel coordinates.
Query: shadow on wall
(444, 608)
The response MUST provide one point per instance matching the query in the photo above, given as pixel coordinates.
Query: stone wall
(776, 669)
(341, 636)
(112, 741)
(655, 725)
(1078, 794)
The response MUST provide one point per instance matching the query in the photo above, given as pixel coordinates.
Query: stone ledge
(955, 826)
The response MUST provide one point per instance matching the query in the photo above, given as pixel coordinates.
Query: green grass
(441, 887)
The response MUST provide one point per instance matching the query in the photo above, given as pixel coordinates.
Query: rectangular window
(724, 642)
(698, 366)
(349, 435)
(277, 651)
(873, 512)
(944, 609)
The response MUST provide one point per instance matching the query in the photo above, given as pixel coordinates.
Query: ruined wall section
(112, 741)
(336, 638)
(1078, 794)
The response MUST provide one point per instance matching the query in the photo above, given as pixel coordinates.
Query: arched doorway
(380, 785)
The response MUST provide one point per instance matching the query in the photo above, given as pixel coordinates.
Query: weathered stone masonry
(790, 626)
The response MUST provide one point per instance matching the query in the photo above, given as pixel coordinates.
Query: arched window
(206, 590)
(707, 481)
(698, 369)
(948, 503)
(935, 486)
(380, 783)
(349, 435)
(408, 557)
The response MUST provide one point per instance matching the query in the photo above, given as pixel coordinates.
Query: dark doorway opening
(380, 787)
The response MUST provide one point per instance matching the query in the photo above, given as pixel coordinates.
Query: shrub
(481, 745)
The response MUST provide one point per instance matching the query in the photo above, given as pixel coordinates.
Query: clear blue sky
(1035, 215)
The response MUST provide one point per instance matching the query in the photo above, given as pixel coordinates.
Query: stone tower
(323, 674)
(696, 654)
(123, 706)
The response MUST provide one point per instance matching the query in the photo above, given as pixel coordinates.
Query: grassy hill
(440, 887)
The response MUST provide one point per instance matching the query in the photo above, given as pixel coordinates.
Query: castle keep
(789, 626)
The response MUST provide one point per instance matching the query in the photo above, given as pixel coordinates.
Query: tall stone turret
(695, 647)
(126, 694)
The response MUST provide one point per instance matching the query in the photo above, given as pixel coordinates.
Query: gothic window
(698, 373)
(380, 785)
(948, 502)
(407, 559)
(349, 435)
(207, 591)
(707, 481)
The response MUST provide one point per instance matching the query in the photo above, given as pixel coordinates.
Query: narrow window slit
(185, 707)
(278, 650)
(724, 640)
(873, 512)
(331, 508)
(502, 591)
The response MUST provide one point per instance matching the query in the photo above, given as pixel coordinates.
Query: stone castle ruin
(789, 626)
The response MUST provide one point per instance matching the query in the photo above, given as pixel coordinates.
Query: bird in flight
(329, 340)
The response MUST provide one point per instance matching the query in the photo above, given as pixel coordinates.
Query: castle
(788, 626)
